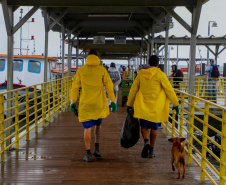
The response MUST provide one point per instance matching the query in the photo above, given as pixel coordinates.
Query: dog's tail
(182, 146)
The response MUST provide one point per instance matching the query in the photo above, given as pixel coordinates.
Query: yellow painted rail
(210, 89)
(199, 125)
(24, 109)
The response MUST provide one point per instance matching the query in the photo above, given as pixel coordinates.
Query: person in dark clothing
(176, 77)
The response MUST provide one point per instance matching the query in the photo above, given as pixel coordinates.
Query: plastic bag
(130, 132)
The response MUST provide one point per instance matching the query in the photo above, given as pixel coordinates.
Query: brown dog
(178, 155)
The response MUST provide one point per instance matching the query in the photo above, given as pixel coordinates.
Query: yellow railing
(213, 90)
(28, 108)
(199, 125)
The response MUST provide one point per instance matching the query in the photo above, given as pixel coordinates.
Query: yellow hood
(92, 60)
(149, 73)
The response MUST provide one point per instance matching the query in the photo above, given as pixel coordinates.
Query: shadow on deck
(55, 155)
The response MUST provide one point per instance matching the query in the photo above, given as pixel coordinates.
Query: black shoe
(145, 150)
(96, 152)
(88, 157)
(151, 153)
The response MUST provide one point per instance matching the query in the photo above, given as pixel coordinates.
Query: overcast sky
(214, 10)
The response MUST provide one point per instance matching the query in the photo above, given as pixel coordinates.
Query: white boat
(27, 70)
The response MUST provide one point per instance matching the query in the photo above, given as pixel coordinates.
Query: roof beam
(178, 18)
(59, 18)
(158, 21)
(7, 19)
(25, 18)
(115, 3)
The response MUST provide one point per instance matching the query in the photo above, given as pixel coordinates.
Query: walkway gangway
(52, 150)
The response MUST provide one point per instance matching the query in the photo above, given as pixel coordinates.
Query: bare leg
(144, 132)
(87, 137)
(97, 131)
(153, 137)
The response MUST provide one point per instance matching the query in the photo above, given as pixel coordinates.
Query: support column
(166, 43)
(152, 38)
(141, 51)
(192, 64)
(63, 47)
(46, 22)
(8, 16)
(156, 50)
(77, 52)
(148, 45)
(216, 53)
(69, 52)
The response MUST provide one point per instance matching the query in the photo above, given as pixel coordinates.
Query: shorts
(91, 123)
(149, 125)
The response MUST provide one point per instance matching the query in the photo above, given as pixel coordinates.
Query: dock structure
(55, 155)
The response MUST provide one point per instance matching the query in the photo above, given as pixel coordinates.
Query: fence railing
(213, 90)
(24, 109)
(205, 133)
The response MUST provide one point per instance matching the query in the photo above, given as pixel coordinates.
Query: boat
(27, 70)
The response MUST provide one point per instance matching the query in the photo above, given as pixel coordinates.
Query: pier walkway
(54, 156)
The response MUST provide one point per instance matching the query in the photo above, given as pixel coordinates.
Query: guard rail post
(43, 106)
(181, 115)
(223, 150)
(54, 98)
(36, 109)
(191, 127)
(173, 123)
(27, 114)
(48, 95)
(2, 129)
(16, 119)
(58, 97)
(62, 94)
(204, 141)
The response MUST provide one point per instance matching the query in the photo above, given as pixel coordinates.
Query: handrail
(201, 123)
(28, 107)
(213, 89)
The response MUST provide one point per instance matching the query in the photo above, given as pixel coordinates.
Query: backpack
(181, 75)
(215, 72)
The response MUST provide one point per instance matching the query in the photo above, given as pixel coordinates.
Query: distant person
(115, 77)
(93, 80)
(149, 95)
(213, 75)
(177, 77)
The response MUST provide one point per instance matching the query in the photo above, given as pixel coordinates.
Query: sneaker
(96, 152)
(145, 150)
(151, 153)
(88, 157)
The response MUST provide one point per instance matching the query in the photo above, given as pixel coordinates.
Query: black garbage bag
(130, 132)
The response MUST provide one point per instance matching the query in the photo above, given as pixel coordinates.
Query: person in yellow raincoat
(93, 80)
(149, 95)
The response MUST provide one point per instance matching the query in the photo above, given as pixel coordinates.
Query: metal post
(192, 65)
(148, 45)
(69, 50)
(63, 48)
(46, 21)
(21, 11)
(156, 49)
(141, 51)
(166, 43)
(177, 56)
(46, 55)
(152, 37)
(9, 69)
(77, 51)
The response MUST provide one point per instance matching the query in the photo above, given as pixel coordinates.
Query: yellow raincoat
(150, 94)
(92, 78)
